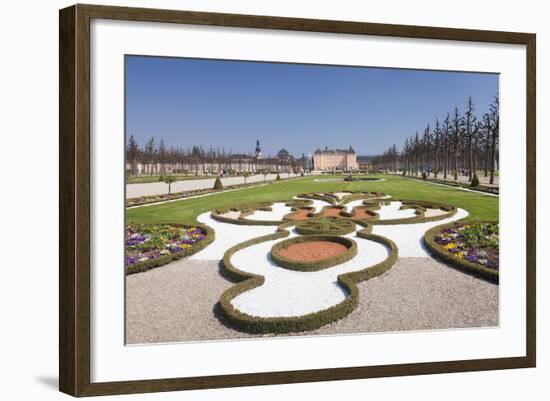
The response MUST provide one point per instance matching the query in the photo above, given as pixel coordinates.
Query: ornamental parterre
(475, 242)
(150, 242)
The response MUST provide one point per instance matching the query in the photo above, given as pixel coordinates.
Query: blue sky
(230, 104)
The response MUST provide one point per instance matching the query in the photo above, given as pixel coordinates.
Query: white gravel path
(277, 212)
(319, 205)
(341, 195)
(408, 237)
(293, 293)
(391, 211)
(158, 188)
(232, 214)
(227, 235)
(348, 207)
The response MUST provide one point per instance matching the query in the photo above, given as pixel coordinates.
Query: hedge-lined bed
(279, 325)
(245, 210)
(154, 245)
(362, 195)
(329, 199)
(471, 247)
(278, 253)
(420, 208)
(325, 225)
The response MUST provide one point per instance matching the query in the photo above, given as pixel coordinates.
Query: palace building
(335, 159)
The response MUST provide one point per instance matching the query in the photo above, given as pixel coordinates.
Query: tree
(446, 131)
(196, 155)
(416, 152)
(426, 148)
(150, 153)
(246, 174)
(162, 157)
(132, 152)
(264, 172)
(456, 129)
(486, 137)
(437, 139)
(169, 179)
(469, 121)
(494, 115)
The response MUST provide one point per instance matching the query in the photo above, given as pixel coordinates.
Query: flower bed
(471, 246)
(149, 246)
(308, 253)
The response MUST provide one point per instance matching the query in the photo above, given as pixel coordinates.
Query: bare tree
(456, 129)
(132, 153)
(495, 123)
(469, 120)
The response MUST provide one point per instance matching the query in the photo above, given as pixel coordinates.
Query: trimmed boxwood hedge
(362, 195)
(299, 203)
(419, 206)
(325, 225)
(466, 266)
(246, 210)
(304, 266)
(311, 321)
(329, 199)
(165, 259)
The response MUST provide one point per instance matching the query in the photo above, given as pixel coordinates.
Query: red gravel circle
(312, 251)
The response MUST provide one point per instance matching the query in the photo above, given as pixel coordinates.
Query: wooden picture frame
(74, 203)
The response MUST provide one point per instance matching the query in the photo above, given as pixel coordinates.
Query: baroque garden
(313, 254)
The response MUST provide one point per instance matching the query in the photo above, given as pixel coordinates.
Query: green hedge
(316, 265)
(245, 209)
(329, 199)
(361, 195)
(165, 259)
(466, 266)
(325, 225)
(419, 206)
(279, 325)
(298, 203)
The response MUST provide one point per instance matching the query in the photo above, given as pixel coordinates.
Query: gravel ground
(176, 302)
(158, 188)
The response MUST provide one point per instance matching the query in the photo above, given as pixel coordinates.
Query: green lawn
(481, 207)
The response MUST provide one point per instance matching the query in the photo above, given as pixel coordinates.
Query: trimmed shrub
(475, 181)
(424, 175)
(310, 321)
(327, 226)
(306, 266)
(218, 184)
(419, 206)
(245, 209)
(278, 178)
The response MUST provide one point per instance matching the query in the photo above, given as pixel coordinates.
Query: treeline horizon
(158, 157)
(462, 142)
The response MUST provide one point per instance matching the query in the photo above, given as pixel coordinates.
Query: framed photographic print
(250, 200)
